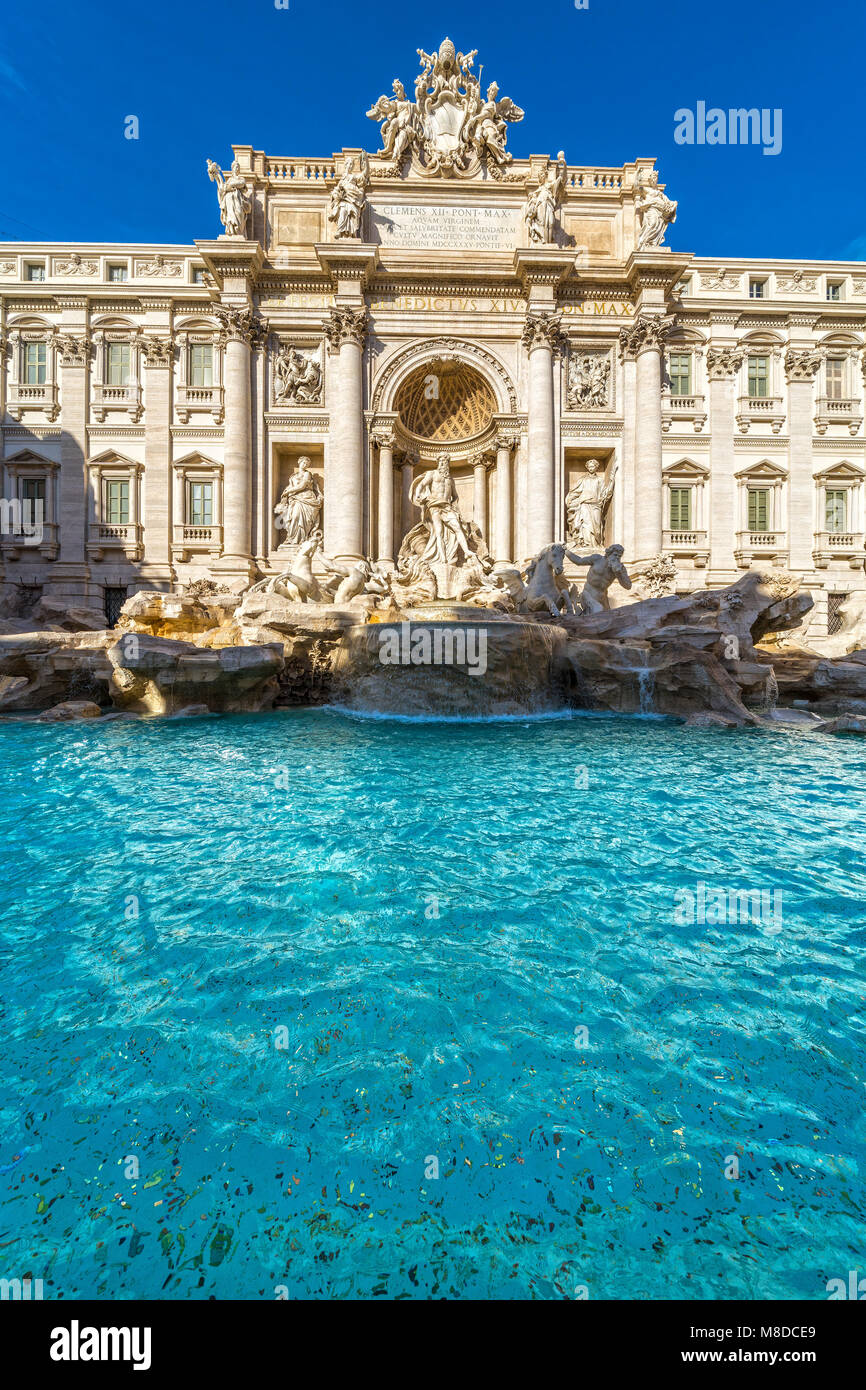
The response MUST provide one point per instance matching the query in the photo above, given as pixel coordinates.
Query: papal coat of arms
(449, 127)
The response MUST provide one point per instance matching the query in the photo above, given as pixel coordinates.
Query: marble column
(541, 335)
(157, 356)
(69, 572)
(723, 363)
(801, 365)
(344, 481)
(479, 497)
(645, 342)
(240, 327)
(407, 511)
(385, 441)
(504, 520)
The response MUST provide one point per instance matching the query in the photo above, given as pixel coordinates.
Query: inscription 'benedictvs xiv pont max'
(172, 413)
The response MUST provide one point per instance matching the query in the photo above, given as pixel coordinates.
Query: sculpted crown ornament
(647, 332)
(74, 352)
(239, 324)
(542, 329)
(723, 362)
(346, 326)
(157, 352)
(449, 127)
(801, 366)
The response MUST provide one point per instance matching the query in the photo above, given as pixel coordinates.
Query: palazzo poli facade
(372, 312)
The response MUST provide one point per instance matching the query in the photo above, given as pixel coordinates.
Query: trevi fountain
(445, 880)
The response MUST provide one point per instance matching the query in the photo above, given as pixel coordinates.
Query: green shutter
(758, 509)
(836, 510)
(681, 508)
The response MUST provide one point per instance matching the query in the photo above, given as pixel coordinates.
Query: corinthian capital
(239, 324)
(382, 436)
(723, 362)
(801, 365)
(543, 328)
(346, 326)
(74, 352)
(646, 334)
(157, 352)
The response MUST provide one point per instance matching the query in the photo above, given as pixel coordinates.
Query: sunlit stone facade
(156, 399)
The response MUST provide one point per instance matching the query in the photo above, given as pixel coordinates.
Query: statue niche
(299, 508)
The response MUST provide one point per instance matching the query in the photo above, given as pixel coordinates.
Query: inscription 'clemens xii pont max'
(429, 227)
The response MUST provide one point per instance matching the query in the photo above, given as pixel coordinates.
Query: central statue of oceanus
(450, 126)
(442, 536)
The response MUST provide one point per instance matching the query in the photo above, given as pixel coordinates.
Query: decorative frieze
(74, 265)
(159, 267)
(588, 381)
(797, 282)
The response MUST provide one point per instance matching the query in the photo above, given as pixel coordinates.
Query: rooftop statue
(449, 127)
(539, 211)
(348, 198)
(235, 197)
(654, 210)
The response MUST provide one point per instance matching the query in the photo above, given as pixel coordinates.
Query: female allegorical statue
(234, 197)
(300, 504)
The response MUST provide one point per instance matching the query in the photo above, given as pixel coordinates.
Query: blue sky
(603, 83)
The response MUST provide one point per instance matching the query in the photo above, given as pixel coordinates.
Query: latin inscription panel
(431, 227)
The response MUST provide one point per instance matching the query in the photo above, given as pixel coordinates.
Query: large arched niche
(418, 359)
(445, 402)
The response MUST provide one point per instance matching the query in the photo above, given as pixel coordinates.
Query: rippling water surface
(266, 976)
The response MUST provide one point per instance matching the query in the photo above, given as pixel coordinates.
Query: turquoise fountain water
(294, 1004)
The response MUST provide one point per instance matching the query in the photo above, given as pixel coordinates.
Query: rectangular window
(35, 363)
(836, 510)
(201, 504)
(684, 287)
(201, 364)
(117, 274)
(681, 508)
(834, 290)
(759, 376)
(198, 274)
(757, 289)
(113, 599)
(117, 364)
(33, 490)
(834, 369)
(117, 502)
(680, 373)
(759, 509)
(34, 272)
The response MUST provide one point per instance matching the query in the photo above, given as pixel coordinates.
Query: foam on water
(422, 915)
